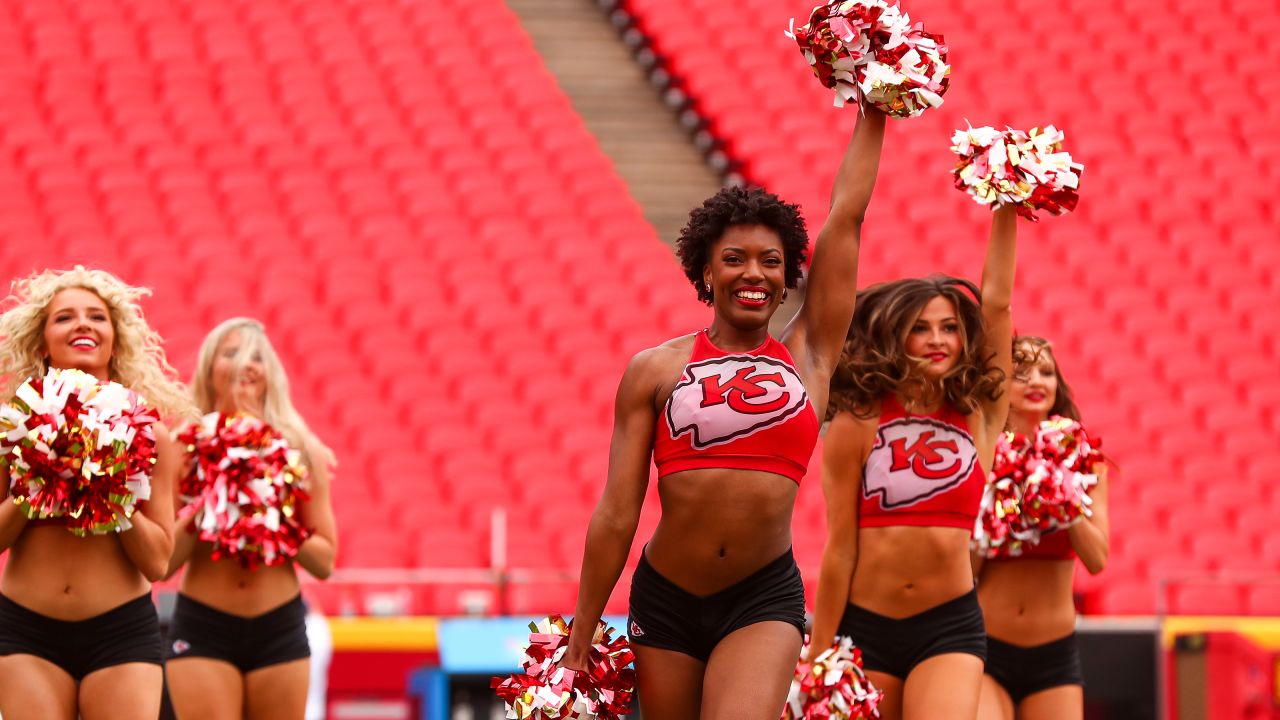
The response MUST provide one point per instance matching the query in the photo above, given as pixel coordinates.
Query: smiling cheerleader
(88, 512)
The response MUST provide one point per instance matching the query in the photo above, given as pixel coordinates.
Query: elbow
(615, 522)
(996, 302)
(1095, 562)
(158, 567)
(318, 557)
(840, 554)
(322, 570)
(850, 212)
(172, 567)
(154, 572)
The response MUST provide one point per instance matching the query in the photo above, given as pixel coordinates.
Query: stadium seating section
(455, 277)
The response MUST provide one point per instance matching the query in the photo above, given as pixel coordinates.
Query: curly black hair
(741, 206)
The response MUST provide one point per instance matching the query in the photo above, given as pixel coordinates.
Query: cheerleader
(78, 631)
(730, 416)
(917, 404)
(1033, 662)
(238, 644)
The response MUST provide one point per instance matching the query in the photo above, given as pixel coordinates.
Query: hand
(575, 658)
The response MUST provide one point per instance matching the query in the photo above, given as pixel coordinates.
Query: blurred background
(455, 218)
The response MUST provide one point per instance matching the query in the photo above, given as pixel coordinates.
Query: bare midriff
(59, 575)
(904, 570)
(1028, 602)
(719, 526)
(227, 586)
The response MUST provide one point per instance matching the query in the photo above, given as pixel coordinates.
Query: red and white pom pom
(544, 690)
(1060, 474)
(243, 489)
(832, 687)
(1010, 167)
(999, 529)
(1037, 485)
(868, 50)
(76, 448)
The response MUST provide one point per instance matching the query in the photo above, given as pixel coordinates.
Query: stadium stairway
(641, 135)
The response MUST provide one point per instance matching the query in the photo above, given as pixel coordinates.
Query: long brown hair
(874, 361)
(1064, 403)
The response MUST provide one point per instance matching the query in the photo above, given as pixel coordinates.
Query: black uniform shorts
(127, 633)
(274, 637)
(663, 615)
(895, 646)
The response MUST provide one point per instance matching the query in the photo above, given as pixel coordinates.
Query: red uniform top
(1052, 546)
(923, 470)
(747, 411)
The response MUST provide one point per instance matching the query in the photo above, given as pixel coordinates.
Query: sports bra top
(742, 410)
(1052, 546)
(922, 470)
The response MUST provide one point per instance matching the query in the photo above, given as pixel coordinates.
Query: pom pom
(544, 690)
(1036, 486)
(1028, 170)
(243, 489)
(79, 449)
(832, 687)
(1060, 475)
(999, 527)
(868, 51)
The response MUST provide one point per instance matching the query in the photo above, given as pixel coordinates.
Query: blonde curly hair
(137, 361)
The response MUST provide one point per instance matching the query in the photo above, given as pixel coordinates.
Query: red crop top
(923, 470)
(747, 411)
(1052, 546)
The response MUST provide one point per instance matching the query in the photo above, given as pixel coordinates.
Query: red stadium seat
(1126, 597)
(1264, 599)
(426, 233)
(1207, 600)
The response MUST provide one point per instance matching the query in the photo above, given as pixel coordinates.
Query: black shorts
(274, 637)
(665, 616)
(1026, 671)
(894, 646)
(127, 633)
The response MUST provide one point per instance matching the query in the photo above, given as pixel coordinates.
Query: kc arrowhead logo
(915, 459)
(726, 398)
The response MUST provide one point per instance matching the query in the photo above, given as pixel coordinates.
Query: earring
(784, 298)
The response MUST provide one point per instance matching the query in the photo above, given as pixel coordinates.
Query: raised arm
(613, 524)
(149, 543)
(842, 456)
(997, 303)
(823, 321)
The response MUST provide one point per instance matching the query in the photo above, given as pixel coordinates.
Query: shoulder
(848, 440)
(846, 426)
(652, 368)
(677, 345)
(164, 436)
(674, 352)
(318, 458)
